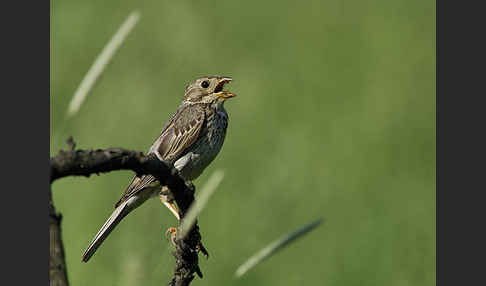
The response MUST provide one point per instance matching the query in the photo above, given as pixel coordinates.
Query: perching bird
(190, 140)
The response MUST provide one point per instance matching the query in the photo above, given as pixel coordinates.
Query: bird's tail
(120, 212)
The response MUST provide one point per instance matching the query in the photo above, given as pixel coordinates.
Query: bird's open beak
(224, 94)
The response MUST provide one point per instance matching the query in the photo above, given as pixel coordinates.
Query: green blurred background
(335, 118)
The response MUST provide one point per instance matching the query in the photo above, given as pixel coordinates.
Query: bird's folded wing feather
(183, 129)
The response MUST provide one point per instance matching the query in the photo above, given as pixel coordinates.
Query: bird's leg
(173, 209)
(167, 200)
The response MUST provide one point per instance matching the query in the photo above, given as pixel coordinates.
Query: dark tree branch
(87, 162)
(57, 261)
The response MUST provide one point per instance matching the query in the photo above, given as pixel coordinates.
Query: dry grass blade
(101, 61)
(273, 247)
(195, 209)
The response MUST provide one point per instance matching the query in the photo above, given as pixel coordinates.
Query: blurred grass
(335, 118)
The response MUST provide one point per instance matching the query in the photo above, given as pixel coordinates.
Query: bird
(190, 140)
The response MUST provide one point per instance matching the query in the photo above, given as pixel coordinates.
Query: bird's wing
(180, 132)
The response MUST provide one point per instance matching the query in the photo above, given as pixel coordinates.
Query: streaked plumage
(190, 140)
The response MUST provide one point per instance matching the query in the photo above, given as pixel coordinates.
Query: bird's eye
(205, 84)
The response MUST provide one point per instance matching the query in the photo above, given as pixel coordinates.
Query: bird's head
(208, 89)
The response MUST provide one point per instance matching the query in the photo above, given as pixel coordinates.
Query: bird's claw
(173, 233)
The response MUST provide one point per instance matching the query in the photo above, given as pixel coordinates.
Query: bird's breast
(207, 147)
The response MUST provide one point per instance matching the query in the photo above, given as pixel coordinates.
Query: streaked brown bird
(190, 140)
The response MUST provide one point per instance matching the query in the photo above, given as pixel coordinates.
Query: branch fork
(86, 162)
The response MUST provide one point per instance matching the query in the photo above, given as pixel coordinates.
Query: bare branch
(87, 162)
(57, 261)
